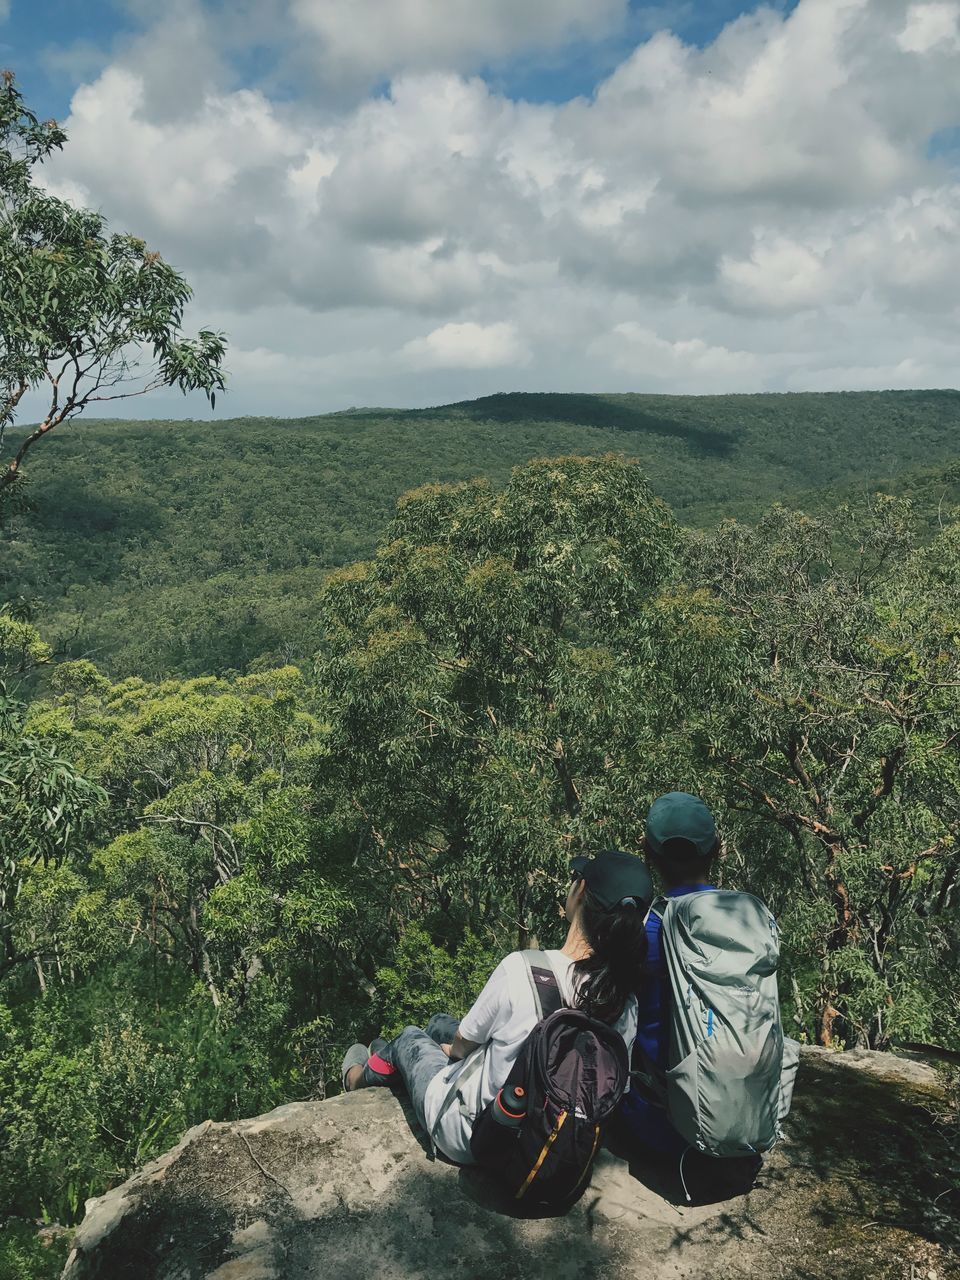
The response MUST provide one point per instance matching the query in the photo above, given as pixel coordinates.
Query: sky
(411, 202)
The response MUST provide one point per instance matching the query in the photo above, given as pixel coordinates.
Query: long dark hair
(614, 969)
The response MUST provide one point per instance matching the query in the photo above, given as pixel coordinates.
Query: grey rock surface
(346, 1188)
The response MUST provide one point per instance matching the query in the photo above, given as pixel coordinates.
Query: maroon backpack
(541, 1132)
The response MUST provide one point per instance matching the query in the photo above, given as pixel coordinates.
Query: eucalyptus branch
(100, 303)
(179, 818)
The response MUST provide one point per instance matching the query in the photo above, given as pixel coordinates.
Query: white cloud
(779, 275)
(929, 25)
(643, 354)
(367, 40)
(747, 215)
(906, 373)
(467, 346)
(910, 250)
(204, 185)
(776, 109)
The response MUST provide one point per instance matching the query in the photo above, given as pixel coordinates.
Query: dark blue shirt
(644, 1119)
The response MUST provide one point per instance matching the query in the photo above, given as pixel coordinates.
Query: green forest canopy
(211, 883)
(209, 886)
(182, 547)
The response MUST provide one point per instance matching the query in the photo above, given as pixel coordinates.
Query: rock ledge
(864, 1186)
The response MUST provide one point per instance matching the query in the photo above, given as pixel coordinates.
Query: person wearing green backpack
(713, 1072)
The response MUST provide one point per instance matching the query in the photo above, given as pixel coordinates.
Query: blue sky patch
(56, 45)
(945, 145)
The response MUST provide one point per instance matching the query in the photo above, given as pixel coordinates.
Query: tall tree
(47, 807)
(88, 315)
(836, 747)
(482, 687)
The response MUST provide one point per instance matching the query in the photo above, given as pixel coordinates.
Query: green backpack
(730, 1069)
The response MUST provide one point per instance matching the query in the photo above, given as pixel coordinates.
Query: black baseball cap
(612, 876)
(681, 816)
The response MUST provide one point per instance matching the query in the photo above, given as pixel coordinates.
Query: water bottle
(497, 1127)
(510, 1106)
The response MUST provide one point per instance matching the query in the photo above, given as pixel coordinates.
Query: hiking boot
(376, 1070)
(379, 1069)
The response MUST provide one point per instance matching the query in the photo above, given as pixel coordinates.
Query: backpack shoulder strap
(547, 996)
(659, 906)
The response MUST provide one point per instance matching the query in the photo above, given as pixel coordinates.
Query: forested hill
(189, 547)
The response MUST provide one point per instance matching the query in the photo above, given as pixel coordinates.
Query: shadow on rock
(708, 1182)
(876, 1153)
(489, 1194)
(427, 1223)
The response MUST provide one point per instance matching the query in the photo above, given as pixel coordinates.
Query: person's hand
(446, 1049)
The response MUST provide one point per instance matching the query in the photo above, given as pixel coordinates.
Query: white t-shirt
(502, 1017)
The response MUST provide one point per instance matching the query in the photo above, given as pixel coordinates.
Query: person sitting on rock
(599, 968)
(682, 845)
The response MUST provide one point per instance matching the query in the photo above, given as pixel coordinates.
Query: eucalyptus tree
(835, 747)
(47, 809)
(87, 317)
(211, 854)
(480, 676)
(185, 895)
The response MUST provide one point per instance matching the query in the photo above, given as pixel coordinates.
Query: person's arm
(459, 1048)
(475, 1029)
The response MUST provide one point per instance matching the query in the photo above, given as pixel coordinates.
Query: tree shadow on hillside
(573, 409)
(598, 412)
(90, 532)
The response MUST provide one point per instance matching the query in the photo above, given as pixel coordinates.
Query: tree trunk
(825, 1021)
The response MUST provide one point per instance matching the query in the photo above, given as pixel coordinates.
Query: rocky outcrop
(865, 1185)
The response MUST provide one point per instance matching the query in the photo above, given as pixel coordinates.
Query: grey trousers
(418, 1057)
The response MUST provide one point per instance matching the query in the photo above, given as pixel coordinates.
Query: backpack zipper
(589, 1165)
(543, 1155)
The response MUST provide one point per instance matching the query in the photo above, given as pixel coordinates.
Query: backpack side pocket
(788, 1076)
(683, 1091)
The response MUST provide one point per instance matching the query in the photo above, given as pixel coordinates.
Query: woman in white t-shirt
(599, 969)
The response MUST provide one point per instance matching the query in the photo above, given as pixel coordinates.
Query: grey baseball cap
(681, 816)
